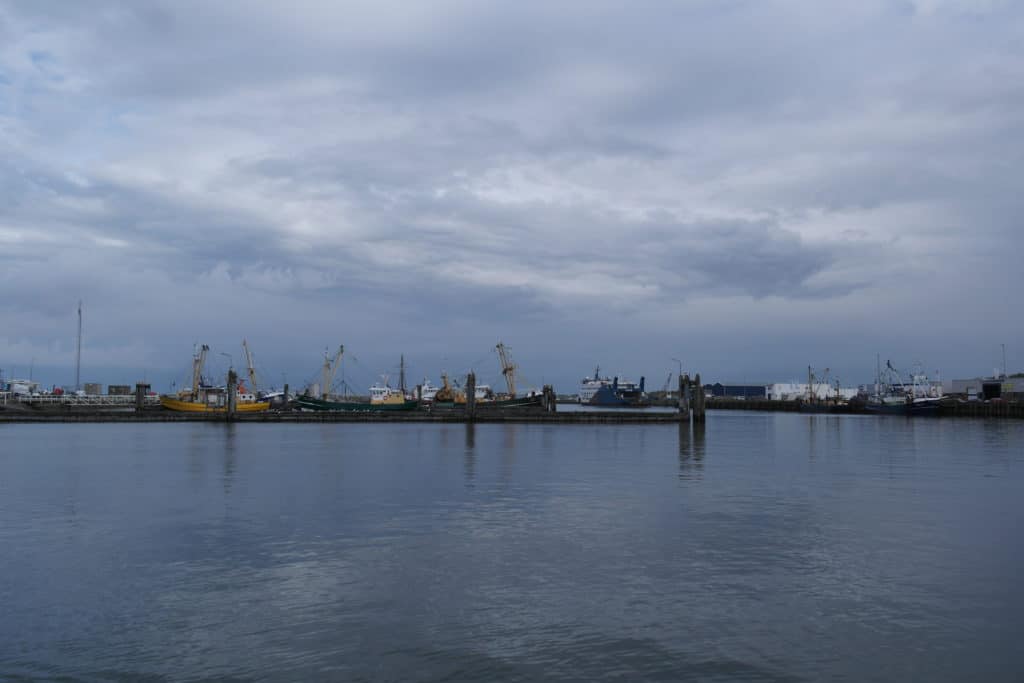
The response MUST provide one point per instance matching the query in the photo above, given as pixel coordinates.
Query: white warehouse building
(795, 391)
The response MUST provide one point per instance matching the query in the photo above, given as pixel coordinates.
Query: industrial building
(779, 391)
(987, 388)
(718, 390)
(797, 391)
(20, 387)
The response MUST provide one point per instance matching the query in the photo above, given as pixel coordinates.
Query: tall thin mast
(249, 366)
(78, 350)
(401, 375)
(878, 376)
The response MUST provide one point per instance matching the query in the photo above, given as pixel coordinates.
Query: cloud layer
(754, 185)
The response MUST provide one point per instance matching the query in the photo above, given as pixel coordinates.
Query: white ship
(611, 392)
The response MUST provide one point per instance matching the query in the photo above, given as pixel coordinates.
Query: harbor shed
(798, 391)
(719, 390)
(989, 388)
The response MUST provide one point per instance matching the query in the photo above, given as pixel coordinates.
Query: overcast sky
(750, 186)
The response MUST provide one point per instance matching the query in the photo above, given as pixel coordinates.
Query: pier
(691, 406)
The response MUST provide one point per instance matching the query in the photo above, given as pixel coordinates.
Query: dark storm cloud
(475, 170)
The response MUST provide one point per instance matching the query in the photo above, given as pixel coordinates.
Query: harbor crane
(330, 367)
(508, 368)
(198, 361)
(668, 383)
(249, 365)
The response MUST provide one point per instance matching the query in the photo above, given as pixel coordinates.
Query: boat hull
(319, 404)
(190, 407)
(610, 397)
(520, 402)
(923, 409)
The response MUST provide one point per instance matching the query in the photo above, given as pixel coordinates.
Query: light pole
(679, 377)
(231, 361)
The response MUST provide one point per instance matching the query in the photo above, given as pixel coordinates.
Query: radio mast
(78, 351)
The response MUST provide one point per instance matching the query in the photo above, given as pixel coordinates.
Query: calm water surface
(768, 547)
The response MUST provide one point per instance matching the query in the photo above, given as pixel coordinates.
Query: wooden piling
(232, 397)
(684, 397)
(140, 396)
(548, 399)
(470, 395)
(698, 399)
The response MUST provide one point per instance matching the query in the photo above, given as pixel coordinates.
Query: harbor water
(759, 547)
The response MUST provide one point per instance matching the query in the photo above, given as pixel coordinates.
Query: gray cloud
(431, 179)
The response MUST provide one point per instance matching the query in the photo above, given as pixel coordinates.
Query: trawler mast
(249, 366)
(329, 369)
(198, 361)
(507, 368)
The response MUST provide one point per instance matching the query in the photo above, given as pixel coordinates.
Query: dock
(295, 417)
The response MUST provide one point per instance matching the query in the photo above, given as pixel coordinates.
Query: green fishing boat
(319, 404)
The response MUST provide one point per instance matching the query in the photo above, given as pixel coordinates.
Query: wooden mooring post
(691, 398)
(471, 395)
(698, 399)
(684, 397)
(140, 396)
(549, 399)
(232, 398)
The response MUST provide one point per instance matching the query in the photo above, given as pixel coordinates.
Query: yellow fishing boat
(195, 407)
(209, 399)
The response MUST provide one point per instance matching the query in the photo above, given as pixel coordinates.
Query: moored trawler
(383, 398)
(321, 404)
(921, 396)
(206, 398)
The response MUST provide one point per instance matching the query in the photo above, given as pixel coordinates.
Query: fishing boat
(485, 398)
(382, 394)
(321, 404)
(511, 399)
(189, 406)
(382, 397)
(206, 398)
(893, 396)
(428, 391)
